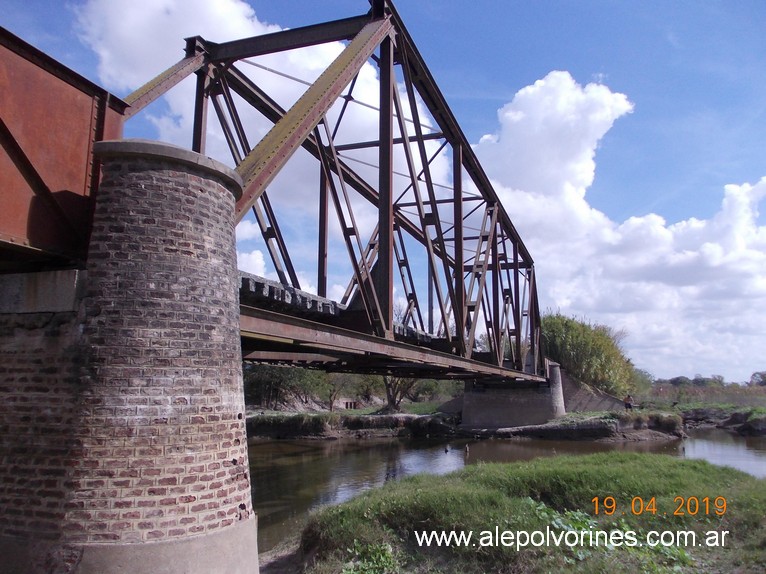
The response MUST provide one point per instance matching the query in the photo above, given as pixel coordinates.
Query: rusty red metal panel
(49, 119)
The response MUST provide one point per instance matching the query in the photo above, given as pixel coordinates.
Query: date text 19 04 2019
(682, 506)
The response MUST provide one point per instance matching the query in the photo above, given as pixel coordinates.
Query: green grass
(375, 531)
(638, 419)
(424, 408)
(364, 411)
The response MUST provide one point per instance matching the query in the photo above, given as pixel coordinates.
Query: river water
(291, 478)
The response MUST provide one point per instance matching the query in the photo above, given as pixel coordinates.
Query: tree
(396, 389)
(641, 381)
(369, 386)
(758, 379)
(713, 381)
(424, 389)
(338, 384)
(269, 385)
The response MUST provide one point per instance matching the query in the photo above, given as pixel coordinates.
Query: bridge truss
(440, 283)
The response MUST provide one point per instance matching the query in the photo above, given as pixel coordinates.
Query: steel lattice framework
(447, 245)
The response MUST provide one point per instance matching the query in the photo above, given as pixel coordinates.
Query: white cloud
(136, 41)
(252, 262)
(688, 293)
(248, 229)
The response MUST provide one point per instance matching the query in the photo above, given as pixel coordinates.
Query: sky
(626, 140)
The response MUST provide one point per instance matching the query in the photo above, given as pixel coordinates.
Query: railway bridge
(124, 320)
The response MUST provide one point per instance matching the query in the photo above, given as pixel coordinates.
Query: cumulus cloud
(247, 229)
(688, 293)
(136, 41)
(252, 262)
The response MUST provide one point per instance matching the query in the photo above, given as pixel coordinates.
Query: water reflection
(720, 447)
(290, 478)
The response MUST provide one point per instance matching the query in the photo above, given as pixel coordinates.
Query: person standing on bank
(628, 403)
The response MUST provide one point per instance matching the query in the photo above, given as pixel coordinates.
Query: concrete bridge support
(524, 403)
(123, 422)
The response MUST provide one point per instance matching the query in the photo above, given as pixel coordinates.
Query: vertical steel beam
(496, 294)
(457, 215)
(517, 307)
(322, 249)
(199, 131)
(385, 270)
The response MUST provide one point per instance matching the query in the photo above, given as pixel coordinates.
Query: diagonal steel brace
(263, 163)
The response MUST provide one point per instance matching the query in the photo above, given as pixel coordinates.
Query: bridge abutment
(514, 405)
(134, 457)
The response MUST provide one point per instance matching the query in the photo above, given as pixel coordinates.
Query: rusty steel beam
(257, 98)
(157, 87)
(51, 118)
(384, 279)
(437, 104)
(35, 180)
(288, 39)
(265, 160)
(480, 281)
(325, 339)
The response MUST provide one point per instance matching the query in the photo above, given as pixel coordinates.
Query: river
(290, 478)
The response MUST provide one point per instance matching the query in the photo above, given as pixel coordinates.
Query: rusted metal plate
(304, 336)
(272, 152)
(50, 118)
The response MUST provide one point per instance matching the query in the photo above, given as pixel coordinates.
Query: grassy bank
(606, 425)
(306, 425)
(575, 426)
(375, 532)
(635, 419)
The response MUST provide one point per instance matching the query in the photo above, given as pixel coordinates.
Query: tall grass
(590, 353)
(553, 492)
(730, 396)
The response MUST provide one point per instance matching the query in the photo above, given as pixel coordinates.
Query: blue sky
(694, 70)
(652, 108)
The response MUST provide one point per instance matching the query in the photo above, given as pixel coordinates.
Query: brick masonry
(38, 377)
(124, 422)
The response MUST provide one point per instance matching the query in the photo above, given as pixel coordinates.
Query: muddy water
(290, 478)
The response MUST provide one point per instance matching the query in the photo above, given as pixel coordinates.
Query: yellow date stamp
(682, 506)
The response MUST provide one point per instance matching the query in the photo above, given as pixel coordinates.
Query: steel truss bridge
(439, 282)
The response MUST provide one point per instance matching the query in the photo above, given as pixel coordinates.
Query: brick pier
(122, 415)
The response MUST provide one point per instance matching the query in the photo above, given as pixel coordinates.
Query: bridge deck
(283, 325)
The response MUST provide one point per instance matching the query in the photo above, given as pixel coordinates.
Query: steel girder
(442, 235)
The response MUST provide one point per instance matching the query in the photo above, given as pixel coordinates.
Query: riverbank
(747, 421)
(376, 529)
(604, 426)
(335, 426)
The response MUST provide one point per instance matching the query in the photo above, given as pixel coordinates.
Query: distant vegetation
(275, 388)
(683, 393)
(591, 353)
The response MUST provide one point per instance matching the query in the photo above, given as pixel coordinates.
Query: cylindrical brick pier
(162, 477)
(158, 477)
